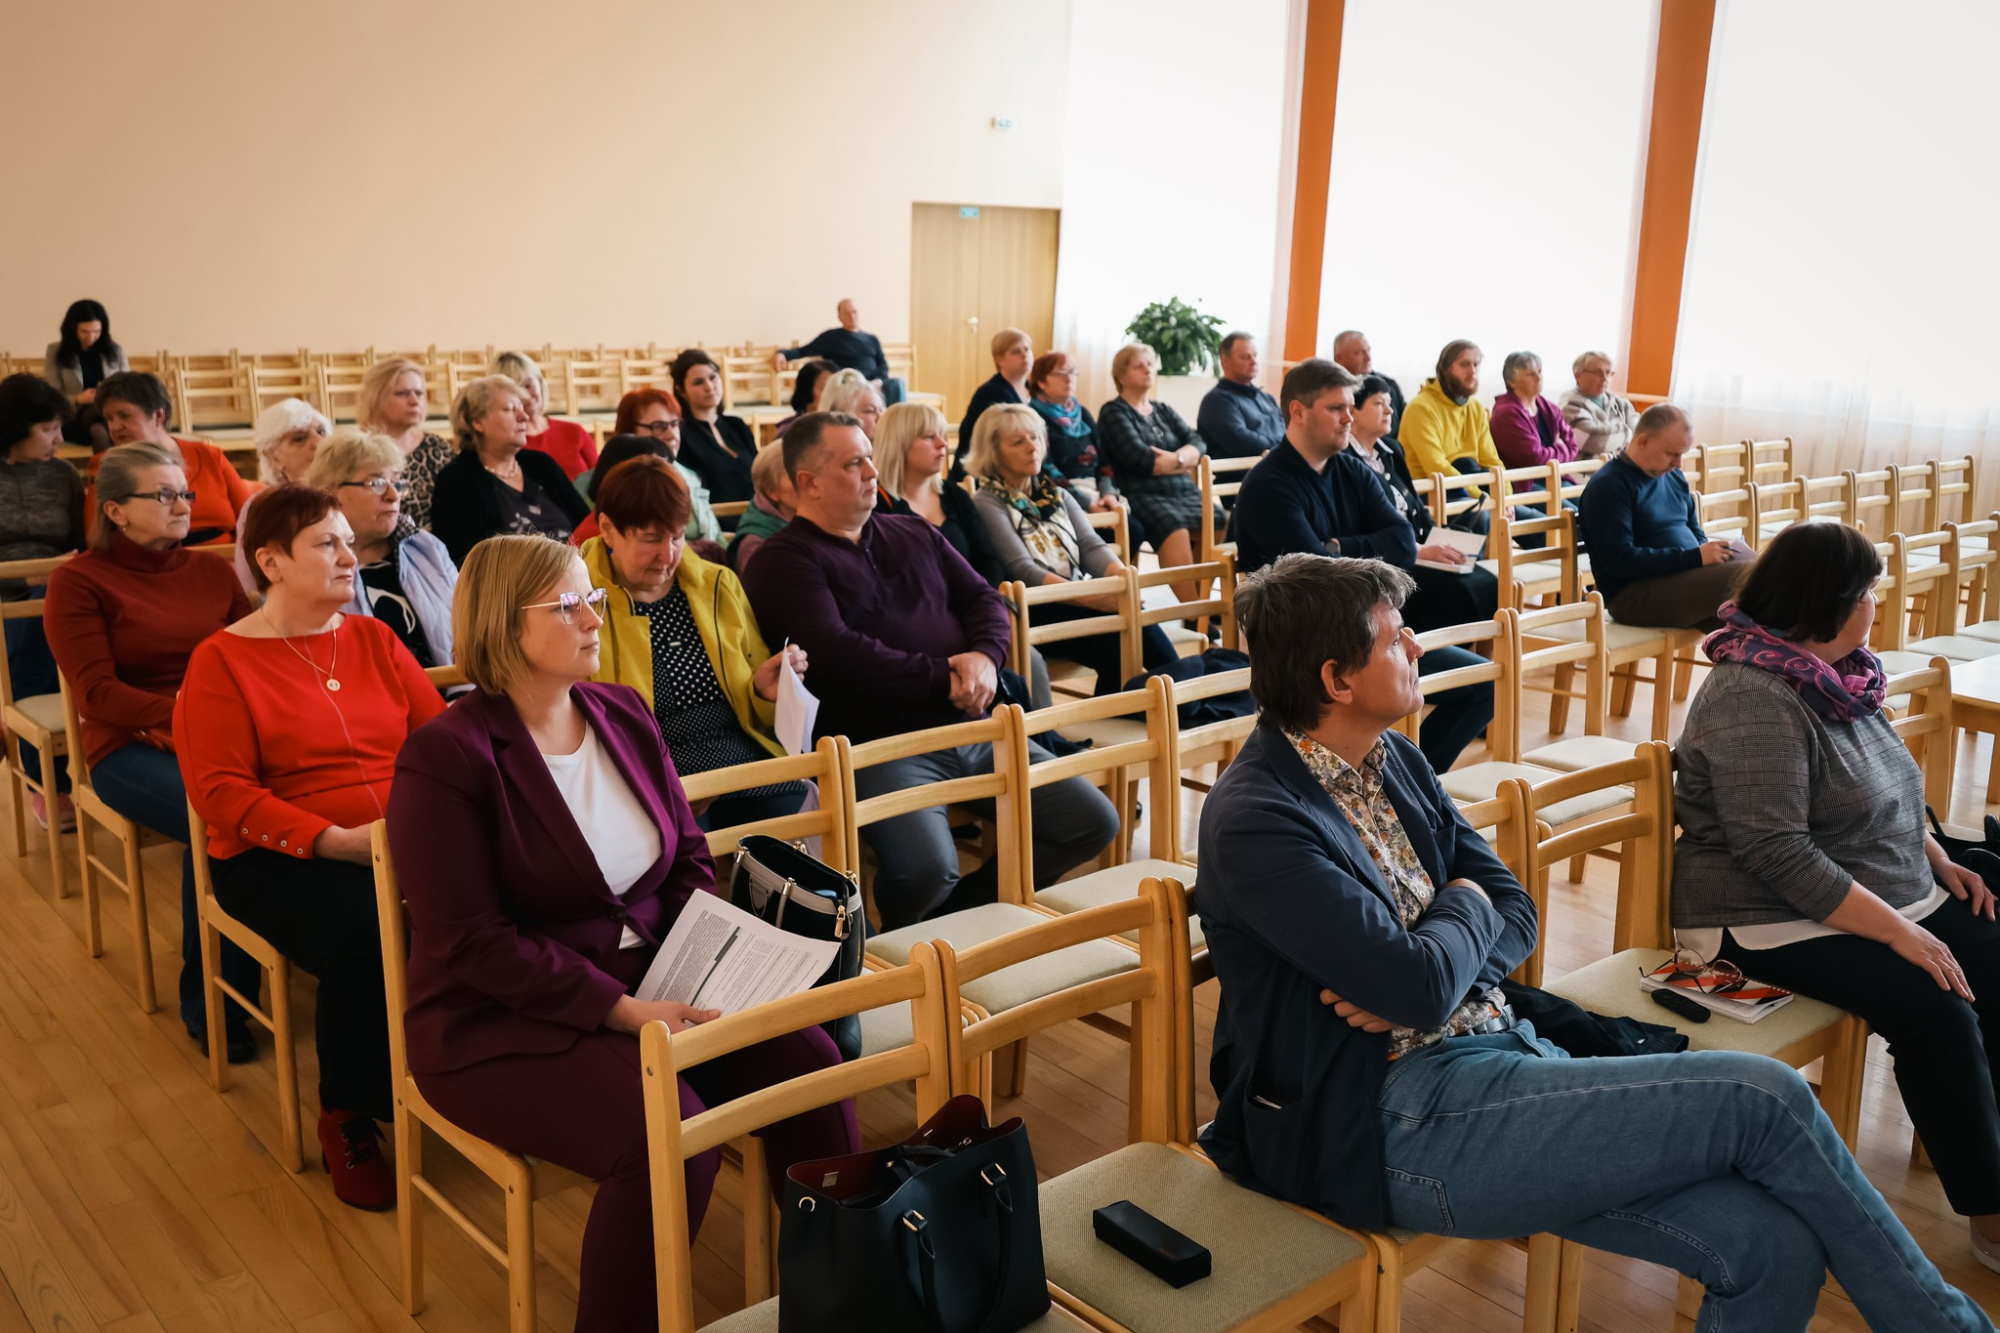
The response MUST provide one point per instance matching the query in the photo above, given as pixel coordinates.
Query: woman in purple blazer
(545, 847)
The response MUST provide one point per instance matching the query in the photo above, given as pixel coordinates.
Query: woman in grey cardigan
(1041, 536)
(1803, 857)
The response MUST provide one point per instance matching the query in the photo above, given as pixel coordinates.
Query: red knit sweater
(569, 444)
(271, 757)
(122, 624)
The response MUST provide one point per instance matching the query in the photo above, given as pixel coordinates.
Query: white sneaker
(1987, 1252)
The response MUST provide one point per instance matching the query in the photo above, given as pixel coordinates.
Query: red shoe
(364, 1179)
(65, 812)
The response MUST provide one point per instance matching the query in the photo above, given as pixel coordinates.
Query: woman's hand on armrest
(630, 1014)
(344, 844)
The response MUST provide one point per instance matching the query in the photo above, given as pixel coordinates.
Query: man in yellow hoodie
(1445, 422)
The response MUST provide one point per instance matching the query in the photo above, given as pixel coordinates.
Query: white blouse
(621, 834)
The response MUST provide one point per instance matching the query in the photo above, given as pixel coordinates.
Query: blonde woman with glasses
(405, 577)
(911, 456)
(395, 402)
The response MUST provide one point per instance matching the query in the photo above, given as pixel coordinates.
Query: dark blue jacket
(1291, 903)
(1285, 506)
(1239, 420)
(1638, 527)
(996, 392)
(849, 351)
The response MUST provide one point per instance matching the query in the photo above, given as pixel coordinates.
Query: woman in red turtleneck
(290, 722)
(122, 618)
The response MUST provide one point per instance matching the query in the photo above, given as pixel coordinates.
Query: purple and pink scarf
(1854, 687)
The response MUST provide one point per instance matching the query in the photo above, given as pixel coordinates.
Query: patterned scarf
(1065, 422)
(1041, 522)
(1852, 688)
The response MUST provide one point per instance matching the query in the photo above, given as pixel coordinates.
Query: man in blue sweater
(850, 349)
(1312, 495)
(1238, 419)
(1653, 563)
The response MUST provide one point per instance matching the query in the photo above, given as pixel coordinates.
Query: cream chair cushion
(1115, 885)
(1611, 986)
(1480, 782)
(1010, 986)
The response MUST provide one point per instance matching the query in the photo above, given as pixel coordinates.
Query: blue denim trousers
(1720, 1166)
(144, 785)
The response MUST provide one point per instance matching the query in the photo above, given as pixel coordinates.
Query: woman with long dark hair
(717, 446)
(77, 362)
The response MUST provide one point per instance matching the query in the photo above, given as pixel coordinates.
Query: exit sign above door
(968, 210)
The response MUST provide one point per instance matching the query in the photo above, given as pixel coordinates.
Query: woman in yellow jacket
(680, 631)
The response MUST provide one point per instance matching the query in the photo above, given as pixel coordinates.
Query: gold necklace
(332, 683)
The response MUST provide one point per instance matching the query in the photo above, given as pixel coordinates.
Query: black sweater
(1285, 506)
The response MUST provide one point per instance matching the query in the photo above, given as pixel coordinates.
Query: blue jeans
(144, 785)
(31, 668)
(1458, 715)
(1718, 1165)
(893, 390)
(916, 861)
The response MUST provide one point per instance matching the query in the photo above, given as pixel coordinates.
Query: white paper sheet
(798, 709)
(1469, 544)
(718, 956)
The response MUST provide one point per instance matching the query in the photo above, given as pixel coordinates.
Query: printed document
(718, 956)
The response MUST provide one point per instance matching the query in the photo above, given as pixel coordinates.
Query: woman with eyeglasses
(655, 414)
(405, 582)
(123, 618)
(289, 722)
(395, 401)
(545, 847)
(679, 629)
(496, 483)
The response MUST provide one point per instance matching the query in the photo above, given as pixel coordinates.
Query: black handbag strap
(994, 1176)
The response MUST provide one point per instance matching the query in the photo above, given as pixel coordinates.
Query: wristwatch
(1333, 546)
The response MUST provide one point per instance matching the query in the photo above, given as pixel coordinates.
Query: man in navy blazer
(1368, 1065)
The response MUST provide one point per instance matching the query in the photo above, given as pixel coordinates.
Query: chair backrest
(1915, 507)
(819, 765)
(447, 677)
(746, 378)
(1518, 568)
(1573, 475)
(1644, 835)
(671, 1141)
(1216, 742)
(1908, 579)
(1926, 727)
(1872, 501)
(270, 384)
(1956, 481)
(339, 388)
(205, 399)
(395, 947)
(28, 608)
(1974, 558)
(1771, 461)
(1830, 498)
(1157, 989)
(1726, 513)
(1113, 526)
(1502, 667)
(1776, 505)
(590, 385)
(1023, 598)
(1454, 493)
(1104, 762)
(1219, 477)
(644, 373)
(1538, 651)
(1003, 786)
(1159, 604)
(1725, 466)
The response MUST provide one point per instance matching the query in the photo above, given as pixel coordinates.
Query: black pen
(695, 1002)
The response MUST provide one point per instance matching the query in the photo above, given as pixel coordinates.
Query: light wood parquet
(133, 1199)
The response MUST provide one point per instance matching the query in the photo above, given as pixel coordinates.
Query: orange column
(1321, 78)
(1680, 82)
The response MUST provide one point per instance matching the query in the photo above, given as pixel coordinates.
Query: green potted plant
(1183, 337)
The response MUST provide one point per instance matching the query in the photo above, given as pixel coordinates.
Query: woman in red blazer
(545, 847)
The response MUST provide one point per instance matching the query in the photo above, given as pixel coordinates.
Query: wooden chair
(216, 926)
(1775, 505)
(916, 985)
(339, 390)
(1220, 478)
(590, 386)
(1323, 1265)
(1724, 467)
(1924, 722)
(1917, 574)
(747, 378)
(645, 373)
(37, 720)
(1969, 563)
(522, 1179)
(1455, 493)
(1566, 639)
(1539, 573)
(1871, 500)
(1214, 602)
(1956, 481)
(92, 812)
(1114, 526)
(1574, 474)
(1803, 1031)
(1771, 461)
(1072, 678)
(1830, 499)
(211, 399)
(447, 677)
(1915, 506)
(1206, 743)
(271, 384)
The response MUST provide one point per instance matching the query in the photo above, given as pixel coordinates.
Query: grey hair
(1517, 362)
(1584, 359)
(274, 423)
(846, 391)
(1658, 417)
(1346, 336)
(475, 400)
(117, 472)
(1319, 609)
(1230, 339)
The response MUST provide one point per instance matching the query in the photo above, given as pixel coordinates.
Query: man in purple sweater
(903, 635)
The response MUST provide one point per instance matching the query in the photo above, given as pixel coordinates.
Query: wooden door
(975, 270)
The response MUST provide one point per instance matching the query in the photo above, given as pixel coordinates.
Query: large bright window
(1843, 264)
(1485, 174)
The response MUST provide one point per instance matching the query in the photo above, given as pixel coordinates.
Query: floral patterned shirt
(1359, 794)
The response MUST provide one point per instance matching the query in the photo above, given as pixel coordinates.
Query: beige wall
(334, 175)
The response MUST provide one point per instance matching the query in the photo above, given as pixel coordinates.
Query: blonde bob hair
(475, 400)
(274, 423)
(499, 578)
(519, 367)
(118, 471)
(900, 427)
(1007, 340)
(349, 452)
(378, 384)
(1127, 354)
(996, 426)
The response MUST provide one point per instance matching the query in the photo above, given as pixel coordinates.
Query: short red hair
(636, 401)
(645, 492)
(277, 517)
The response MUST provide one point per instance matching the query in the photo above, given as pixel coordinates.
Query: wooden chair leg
(1683, 674)
(20, 804)
(1576, 864)
(1388, 1290)
(1993, 773)
(212, 997)
(1569, 1296)
(1623, 677)
(1918, 1157)
(1687, 1304)
(1663, 698)
(142, 934)
(288, 1060)
(521, 1255)
(1559, 699)
(1010, 1074)
(56, 878)
(86, 874)
(758, 1252)
(410, 1206)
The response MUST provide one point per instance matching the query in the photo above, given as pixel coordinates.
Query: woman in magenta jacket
(1528, 428)
(545, 848)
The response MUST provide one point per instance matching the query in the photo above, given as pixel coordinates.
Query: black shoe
(238, 1046)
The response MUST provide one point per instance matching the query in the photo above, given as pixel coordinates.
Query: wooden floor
(133, 1198)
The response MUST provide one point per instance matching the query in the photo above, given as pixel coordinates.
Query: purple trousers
(583, 1109)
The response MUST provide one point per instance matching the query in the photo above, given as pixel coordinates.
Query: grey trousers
(916, 861)
(1686, 600)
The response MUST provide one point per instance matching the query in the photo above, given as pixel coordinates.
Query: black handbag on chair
(778, 883)
(938, 1234)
